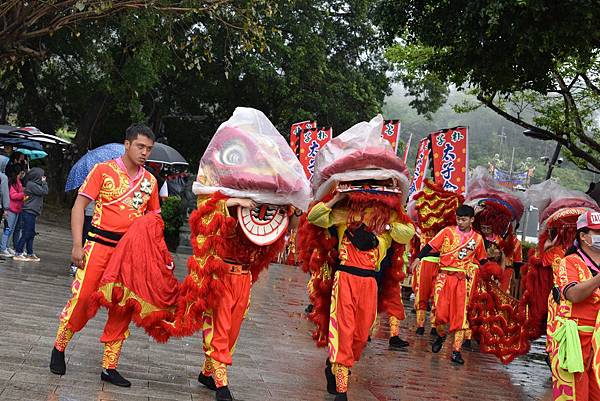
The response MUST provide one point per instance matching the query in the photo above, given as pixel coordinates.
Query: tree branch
(571, 109)
(575, 150)
(590, 84)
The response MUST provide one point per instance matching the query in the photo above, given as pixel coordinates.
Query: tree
(26, 23)
(536, 63)
(185, 75)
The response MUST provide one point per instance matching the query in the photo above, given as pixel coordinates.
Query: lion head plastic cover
(248, 158)
(358, 153)
(482, 187)
(550, 197)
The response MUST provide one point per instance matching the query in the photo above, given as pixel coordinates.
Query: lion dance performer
(498, 210)
(573, 330)
(459, 247)
(559, 209)
(495, 317)
(123, 191)
(435, 209)
(247, 183)
(360, 186)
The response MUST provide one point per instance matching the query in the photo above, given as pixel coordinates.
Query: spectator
(35, 190)
(16, 206)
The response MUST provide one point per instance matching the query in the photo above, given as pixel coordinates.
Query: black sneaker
(433, 332)
(223, 394)
(207, 381)
(437, 344)
(396, 342)
(420, 331)
(114, 377)
(457, 358)
(57, 362)
(330, 380)
(467, 345)
(309, 309)
(341, 397)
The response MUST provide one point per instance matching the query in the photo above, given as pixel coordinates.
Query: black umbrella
(165, 154)
(34, 134)
(6, 139)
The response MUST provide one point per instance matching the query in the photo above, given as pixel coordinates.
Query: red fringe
(537, 283)
(443, 205)
(497, 320)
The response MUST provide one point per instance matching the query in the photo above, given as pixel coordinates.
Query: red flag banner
(296, 133)
(420, 167)
(391, 132)
(311, 142)
(450, 158)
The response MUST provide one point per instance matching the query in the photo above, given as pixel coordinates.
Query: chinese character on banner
(296, 132)
(311, 141)
(391, 132)
(420, 167)
(450, 158)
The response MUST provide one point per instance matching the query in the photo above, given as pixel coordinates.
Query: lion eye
(233, 154)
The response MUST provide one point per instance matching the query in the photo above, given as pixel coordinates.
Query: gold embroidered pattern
(63, 336)
(112, 352)
(341, 377)
(220, 373)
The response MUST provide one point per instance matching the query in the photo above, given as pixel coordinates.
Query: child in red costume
(459, 247)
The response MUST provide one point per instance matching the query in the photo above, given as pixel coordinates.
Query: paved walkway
(275, 359)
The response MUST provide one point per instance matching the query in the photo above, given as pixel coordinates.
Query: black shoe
(330, 380)
(57, 362)
(433, 332)
(114, 377)
(369, 339)
(457, 358)
(437, 344)
(207, 381)
(467, 344)
(309, 308)
(341, 397)
(420, 331)
(223, 394)
(397, 342)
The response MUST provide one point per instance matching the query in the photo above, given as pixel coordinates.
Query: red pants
(78, 309)
(506, 279)
(575, 386)
(424, 282)
(451, 300)
(353, 311)
(222, 324)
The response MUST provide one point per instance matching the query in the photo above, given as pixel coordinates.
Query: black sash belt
(104, 237)
(113, 236)
(357, 271)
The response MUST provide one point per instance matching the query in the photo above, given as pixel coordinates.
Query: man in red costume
(573, 366)
(435, 209)
(459, 247)
(123, 191)
(363, 243)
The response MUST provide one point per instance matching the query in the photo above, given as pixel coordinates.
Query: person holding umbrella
(123, 191)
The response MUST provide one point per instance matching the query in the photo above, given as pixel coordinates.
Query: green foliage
(534, 72)
(184, 75)
(172, 215)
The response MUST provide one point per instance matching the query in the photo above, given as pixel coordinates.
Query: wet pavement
(275, 357)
